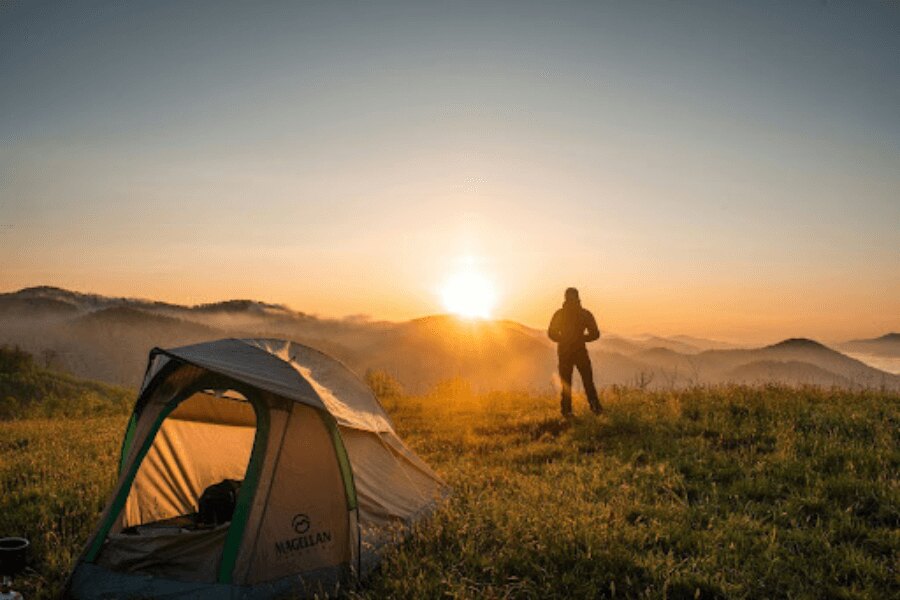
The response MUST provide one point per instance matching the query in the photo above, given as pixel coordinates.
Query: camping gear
(216, 504)
(12, 555)
(326, 482)
(12, 562)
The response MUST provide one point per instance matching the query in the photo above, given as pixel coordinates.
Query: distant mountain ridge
(889, 337)
(80, 300)
(887, 346)
(108, 338)
(55, 296)
(243, 306)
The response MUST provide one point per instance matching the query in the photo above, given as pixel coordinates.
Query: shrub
(384, 385)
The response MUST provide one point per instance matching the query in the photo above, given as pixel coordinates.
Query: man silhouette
(571, 328)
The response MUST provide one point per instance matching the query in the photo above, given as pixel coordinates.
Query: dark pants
(567, 362)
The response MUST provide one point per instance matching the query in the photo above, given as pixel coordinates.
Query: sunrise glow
(469, 294)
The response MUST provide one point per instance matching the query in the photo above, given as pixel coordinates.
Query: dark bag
(216, 504)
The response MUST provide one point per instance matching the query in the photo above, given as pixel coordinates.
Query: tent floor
(179, 523)
(94, 582)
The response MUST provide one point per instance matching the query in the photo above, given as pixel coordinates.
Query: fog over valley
(107, 339)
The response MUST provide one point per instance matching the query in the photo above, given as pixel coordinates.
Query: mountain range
(108, 338)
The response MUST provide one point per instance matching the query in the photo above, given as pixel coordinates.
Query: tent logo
(300, 523)
(305, 539)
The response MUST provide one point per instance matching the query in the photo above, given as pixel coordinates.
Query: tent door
(205, 436)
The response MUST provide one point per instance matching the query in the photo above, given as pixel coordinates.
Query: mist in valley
(108, 339)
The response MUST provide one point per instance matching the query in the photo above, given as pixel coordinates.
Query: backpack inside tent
(252, 468)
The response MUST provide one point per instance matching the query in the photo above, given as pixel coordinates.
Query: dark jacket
(572, 327)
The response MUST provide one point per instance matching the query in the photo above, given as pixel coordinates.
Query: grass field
(703, 493)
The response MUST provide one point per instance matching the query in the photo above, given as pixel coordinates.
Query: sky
(727, 169)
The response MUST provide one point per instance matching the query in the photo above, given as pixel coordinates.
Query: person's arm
(553, 330)
(593, 332)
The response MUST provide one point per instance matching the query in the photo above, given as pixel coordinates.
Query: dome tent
(325, 482)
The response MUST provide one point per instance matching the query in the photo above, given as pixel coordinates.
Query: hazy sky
(728, 169)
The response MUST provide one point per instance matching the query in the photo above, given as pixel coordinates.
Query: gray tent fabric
(326, 481)
(292, 371)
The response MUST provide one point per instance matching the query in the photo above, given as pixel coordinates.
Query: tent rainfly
(319, 480)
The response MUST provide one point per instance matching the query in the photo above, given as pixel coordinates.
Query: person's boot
(566, 408)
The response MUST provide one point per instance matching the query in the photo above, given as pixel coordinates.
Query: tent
(323, 483)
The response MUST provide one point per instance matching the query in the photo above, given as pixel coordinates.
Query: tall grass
(731, 492)
(704, 493)
(55, 476)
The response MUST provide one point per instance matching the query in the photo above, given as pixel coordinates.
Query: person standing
(571, 328)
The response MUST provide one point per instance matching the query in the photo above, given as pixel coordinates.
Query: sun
(469, 294)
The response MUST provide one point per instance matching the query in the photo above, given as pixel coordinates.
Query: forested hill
(29, 390)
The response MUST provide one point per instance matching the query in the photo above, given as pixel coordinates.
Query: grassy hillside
(27, 390)
(737, 493)
(702, 493)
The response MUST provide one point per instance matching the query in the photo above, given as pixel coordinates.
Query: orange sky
(348, 162)
(742, 308)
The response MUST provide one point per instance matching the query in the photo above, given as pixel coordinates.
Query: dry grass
(703, 493)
